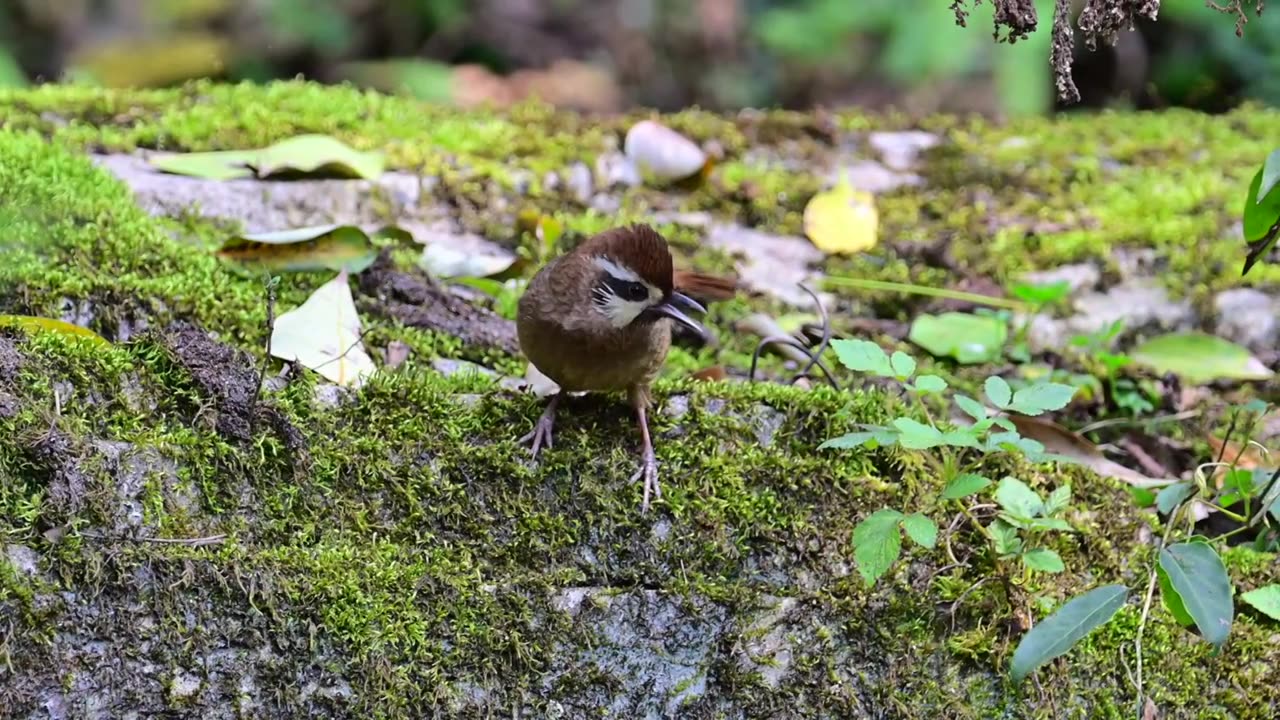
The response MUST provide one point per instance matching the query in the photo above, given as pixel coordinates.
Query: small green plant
(1193, 580)
(1261, 216)
(1037, 296)
(1025, 516)
(1094, 352)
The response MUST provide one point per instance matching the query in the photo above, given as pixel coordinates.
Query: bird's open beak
(669, 309)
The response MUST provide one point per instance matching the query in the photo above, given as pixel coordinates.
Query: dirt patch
(56, 456)
(417, 302)
(222, 373)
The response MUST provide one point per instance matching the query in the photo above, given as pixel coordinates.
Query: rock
(772, 264)
(1140, 304)
(1080, 276)
(184, 686)
(579, 182)
(765, 422)
(449, 366)
(615, 169)
(872, 177)
(1248, 317)
(764, 647)
(899, 150)
(23, 559)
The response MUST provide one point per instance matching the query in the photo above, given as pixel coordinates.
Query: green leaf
(306, 154)
(1270, 175)
(998, 391)
(1018, 499)
(877, 542)
(1197, 574)
(964, 485)
(1171, 496)
(1265, 599)
(971, 407)
(1057, 500)
(930, 384)
(1059, 632)
(876, 437)
(1143, 497)
(307, 249)
(862, 356)
(916, 435)
(34, 324)
(904, 366)
(970, 339)
(962, 437)
(1041, 397)
(1005, 538)
(1173, 601)
(1261, 210)
(319, 155)
(1046, 524)
(1043, 560)
(1041, 294)
(1199, 358)
(921, 529)
(217, 165)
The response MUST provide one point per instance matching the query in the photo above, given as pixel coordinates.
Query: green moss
(407, 529)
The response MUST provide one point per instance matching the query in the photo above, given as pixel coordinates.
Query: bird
(600, 318)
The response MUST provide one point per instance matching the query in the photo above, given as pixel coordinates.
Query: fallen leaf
(714, 373)
(305, 154)
(323, 334)
(1250, 457)
(445, 262)
(216, 165)
(321, 247)
(1058, 440)
(318, 154)
(44, 324)
(1199, 358)
(842, 220)
(970, 339)
(661, 152)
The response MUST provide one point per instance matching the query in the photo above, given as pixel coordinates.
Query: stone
(1080, 276)
(1140, 304)
(899, 150)
(1248, 317)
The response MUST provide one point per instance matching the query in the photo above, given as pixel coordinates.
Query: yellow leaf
(842, 220)
(33, 323)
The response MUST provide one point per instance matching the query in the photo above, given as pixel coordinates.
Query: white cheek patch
(619, 311)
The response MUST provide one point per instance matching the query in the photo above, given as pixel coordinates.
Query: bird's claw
(540, 435)
(649, 471)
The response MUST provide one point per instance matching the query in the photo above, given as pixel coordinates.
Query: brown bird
(600, 317)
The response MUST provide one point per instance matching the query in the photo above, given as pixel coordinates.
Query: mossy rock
(177, 543)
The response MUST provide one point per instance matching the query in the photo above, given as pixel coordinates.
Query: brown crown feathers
(646, 252)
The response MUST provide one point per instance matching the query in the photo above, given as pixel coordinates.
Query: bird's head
(634, 280)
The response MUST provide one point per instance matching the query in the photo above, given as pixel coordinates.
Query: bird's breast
(588, 359)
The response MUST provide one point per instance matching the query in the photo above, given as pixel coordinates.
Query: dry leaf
(1061, 441)
(323, 334)
(712, 374)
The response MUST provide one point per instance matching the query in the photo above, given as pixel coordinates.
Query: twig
(272, 281)
(192, 542)
(791, 342)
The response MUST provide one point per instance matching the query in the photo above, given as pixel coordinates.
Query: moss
(408, 532)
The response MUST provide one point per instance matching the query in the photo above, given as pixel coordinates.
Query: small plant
(877, 539)
(1037, 296)
(1094, 352)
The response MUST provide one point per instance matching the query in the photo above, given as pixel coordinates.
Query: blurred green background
(609, 55)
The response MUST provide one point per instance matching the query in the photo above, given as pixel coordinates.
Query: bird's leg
(648, 463)
(541, 433)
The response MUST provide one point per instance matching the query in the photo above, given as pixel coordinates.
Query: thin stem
(866, 284)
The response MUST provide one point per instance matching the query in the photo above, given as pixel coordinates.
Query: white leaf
(323, 334)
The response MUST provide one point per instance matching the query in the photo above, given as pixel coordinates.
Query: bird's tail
(707, 287)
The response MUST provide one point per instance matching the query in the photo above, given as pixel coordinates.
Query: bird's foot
(649, 471)
(541, 433)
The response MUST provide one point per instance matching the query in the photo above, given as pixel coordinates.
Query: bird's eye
(635, 292)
